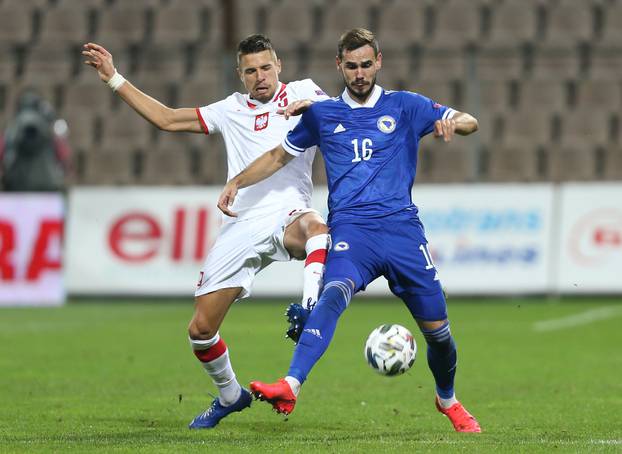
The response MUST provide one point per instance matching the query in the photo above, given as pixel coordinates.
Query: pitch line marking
(583, 318)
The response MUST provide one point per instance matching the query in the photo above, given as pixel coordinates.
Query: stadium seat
(555, 63)
(48, 62)
(212, 160)
(547, 95)
(91, 96)
(122, 25)
(290, 24)
(81, 125)
(250, 18)
(512, 163)
(613, 163)
(65, 25)
(441, 63)
(513, 24)
(198, 93)
(336, 19)
(494, 95)
(177, 24)
(442, 92)
(165, 166)
(526, 128)
(569, 24)
(612, 25)
(24, 4)
(396, 70)
(323, 70)
(110, 167)
(126, 130)
(446, 162)
(8, 63)
(162, 63)
(401, 23)
(571, 163)
(81, 5)
(499, 63)
(606, 63)
(457, 23)
(204, 67)
(581, 128)
(16, 25)
(601, 95)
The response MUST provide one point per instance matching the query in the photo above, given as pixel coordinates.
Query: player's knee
(337, 294)
(202, 328)
(438, 336)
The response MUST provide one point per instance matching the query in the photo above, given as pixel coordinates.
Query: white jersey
(251, 128)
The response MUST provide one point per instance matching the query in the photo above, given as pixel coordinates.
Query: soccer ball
(390, 350)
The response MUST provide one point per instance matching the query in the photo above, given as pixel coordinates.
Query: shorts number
(366, 150)
(428, 257)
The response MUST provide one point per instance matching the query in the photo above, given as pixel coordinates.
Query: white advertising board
(590, 238)
(31, 235)
(485, 239)
(489, 239)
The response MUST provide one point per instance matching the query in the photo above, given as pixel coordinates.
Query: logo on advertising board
(261, 121)
(596, 237)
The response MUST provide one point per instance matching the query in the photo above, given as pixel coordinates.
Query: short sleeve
(425, 112)
(210, 117)
(304, 135)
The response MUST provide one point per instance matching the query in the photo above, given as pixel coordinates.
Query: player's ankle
(294, 384)
(447, 403)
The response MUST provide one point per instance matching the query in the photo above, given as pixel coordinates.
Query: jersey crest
(261, 121)
(386, 124)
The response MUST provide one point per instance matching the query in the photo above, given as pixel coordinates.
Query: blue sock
(319, 328)
(442, 359)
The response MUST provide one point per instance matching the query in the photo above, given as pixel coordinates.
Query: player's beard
(361, 96)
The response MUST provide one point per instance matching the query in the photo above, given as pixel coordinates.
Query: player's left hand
(226, 199)
(295, 108)
(445, 128)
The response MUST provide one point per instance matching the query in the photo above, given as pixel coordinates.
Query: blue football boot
(297, 317)
(212, 416)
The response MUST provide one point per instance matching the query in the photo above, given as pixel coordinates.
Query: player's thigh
(411, 272)
(353, 255)
(298, 226)
(209, 312)
(231, 262)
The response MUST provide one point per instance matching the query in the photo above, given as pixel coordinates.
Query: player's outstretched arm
(260, 169)
(461, 123)
(158, 114)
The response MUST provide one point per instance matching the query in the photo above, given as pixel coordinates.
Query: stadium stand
(543, 77)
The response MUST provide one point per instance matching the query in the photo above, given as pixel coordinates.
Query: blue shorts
(394, 247)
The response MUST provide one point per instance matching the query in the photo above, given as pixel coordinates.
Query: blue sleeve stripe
(449, 113)
(292, 149)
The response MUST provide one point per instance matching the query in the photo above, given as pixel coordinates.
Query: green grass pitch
(113, 377)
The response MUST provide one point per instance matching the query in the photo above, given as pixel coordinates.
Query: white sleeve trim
(292, 149)
(449, 113)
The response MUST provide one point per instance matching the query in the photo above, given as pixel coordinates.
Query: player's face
(259, 73)
(359, 68)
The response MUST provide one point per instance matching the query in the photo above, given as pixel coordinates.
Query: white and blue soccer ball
(390, 350)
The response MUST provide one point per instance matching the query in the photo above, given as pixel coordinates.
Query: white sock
(446, 403)
(314, 269)
(294, 384)
(214, 356)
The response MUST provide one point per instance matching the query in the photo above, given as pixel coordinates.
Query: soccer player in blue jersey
(369, 139)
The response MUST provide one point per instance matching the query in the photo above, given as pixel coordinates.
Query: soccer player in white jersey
(274, 220)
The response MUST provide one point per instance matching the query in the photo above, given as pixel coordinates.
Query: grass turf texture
(113, 377)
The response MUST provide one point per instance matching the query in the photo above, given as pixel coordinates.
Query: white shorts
(244, 248)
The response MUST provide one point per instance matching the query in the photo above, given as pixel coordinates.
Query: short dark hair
(355, 38)
(253, 44)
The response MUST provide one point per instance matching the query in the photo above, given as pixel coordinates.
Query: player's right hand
(100, 59)
(227, 197)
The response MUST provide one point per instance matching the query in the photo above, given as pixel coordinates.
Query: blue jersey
(370, 151)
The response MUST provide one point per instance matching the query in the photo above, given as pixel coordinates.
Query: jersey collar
(253, 103)
(371, 101)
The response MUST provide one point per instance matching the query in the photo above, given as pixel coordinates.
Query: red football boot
(279, 394)
(462, 420)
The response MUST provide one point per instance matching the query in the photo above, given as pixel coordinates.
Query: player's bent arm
(161, 116)
(260, 169)
(465, 123)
